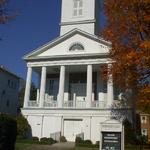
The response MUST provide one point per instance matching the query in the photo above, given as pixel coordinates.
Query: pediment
(84, 44)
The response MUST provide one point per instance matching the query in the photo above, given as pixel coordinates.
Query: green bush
(62, 139)
(88, 142)
(44, 140)
(52, 141)
(34, 138)
(8, 132)
(23, 128)
(49, 141)
(85, 143)
(78, 140)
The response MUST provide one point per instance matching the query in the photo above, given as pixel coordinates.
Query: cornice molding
(70, 62)
(77, 22)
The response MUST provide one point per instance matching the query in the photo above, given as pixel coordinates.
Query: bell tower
(81, 14)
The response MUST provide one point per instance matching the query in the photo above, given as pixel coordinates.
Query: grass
(24, 146)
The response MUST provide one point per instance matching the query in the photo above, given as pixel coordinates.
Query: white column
(42, 86)
(28, 87)
(89, 86)
(61, 86)
(110, 95)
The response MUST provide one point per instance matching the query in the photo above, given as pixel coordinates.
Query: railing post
(74, 100)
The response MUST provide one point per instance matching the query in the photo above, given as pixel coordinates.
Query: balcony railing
(67, 104)
(32, 103)
(51, 104)
(74, 104)
(98, 104)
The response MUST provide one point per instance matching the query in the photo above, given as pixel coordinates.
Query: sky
(37, 23)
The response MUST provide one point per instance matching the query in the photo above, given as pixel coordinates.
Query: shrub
(88, 142)
(78, 140)
(45, 140)
(85, 143)
(34, 138)
(52, 141)
(23, 127)
(62, 139)
(8, 132)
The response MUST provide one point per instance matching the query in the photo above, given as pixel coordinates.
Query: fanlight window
(76, 46)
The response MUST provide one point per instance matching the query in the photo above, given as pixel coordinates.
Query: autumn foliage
(128, 28)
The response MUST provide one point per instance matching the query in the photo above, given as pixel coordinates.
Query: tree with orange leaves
(128, 28)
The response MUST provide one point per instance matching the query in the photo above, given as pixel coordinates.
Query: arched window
(76, 46)
(77, 7)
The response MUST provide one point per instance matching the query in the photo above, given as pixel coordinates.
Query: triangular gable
(50, 45)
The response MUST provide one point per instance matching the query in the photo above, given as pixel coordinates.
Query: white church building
(72, 98)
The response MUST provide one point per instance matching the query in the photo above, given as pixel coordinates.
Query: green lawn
(24, 146)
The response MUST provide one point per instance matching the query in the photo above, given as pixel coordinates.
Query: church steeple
(81, 14)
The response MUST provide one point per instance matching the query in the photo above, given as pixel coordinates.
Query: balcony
(67, 104)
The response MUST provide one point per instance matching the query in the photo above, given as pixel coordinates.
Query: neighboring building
(72, 99)
(9, 90)
(145, 125)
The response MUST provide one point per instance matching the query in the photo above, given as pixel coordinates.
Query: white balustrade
(67, 104)
(50, 104)
(80, 104)
(32, 103)
(98, 104)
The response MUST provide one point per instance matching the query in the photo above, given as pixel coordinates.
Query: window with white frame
(143, 119)
(77, 8)
(144, 132)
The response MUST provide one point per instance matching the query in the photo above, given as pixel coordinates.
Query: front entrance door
(72, 128)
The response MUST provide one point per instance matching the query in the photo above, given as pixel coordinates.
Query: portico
(74, 87)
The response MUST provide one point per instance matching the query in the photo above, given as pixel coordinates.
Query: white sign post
(112, 135)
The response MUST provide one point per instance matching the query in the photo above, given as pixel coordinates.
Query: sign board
(112, 135)
(111, 141)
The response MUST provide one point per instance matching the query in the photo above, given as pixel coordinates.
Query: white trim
(64, 37)
(144, 132)
(68, 56)
(77, 22)
(70, 62)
